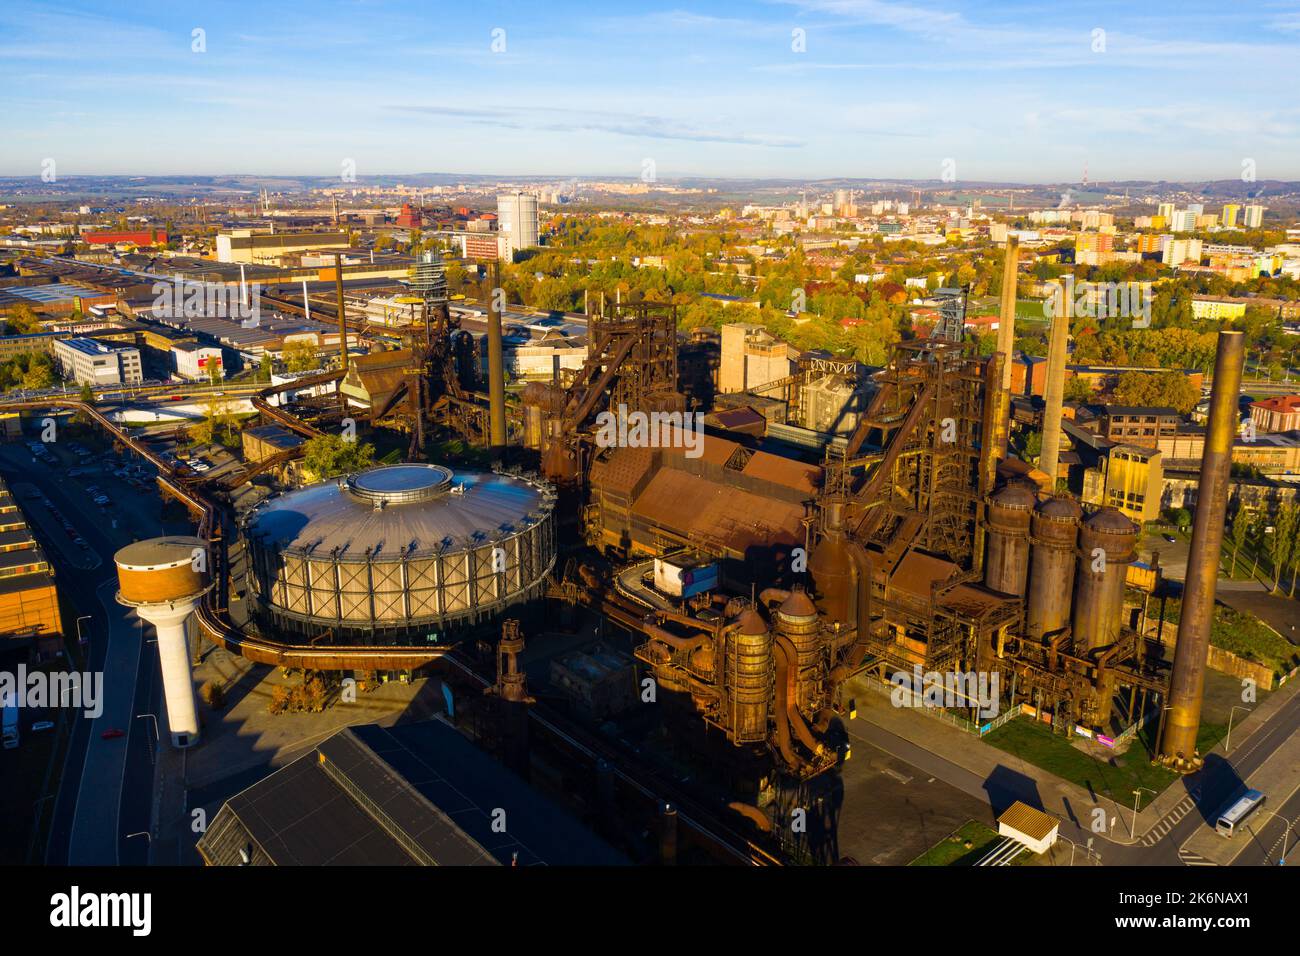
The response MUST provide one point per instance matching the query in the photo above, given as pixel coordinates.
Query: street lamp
(147, 836)
(1137, 795)
(157, 738)
(1227, 746)
(85, 617)
(1087, 850)
(1286, 837)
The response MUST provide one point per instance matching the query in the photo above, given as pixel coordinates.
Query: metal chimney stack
(342, 309)
(1187, 685)
(496, 367)
(1054, 394)
(1006, 343)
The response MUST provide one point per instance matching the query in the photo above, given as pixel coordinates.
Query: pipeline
(857, 651)
(787, 715)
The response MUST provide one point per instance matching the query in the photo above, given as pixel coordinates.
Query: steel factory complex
(645, 617)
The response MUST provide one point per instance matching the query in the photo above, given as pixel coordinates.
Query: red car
(113, 734)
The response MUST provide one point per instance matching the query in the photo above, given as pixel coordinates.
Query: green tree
(1160, 389)
(1238, 529)
(327, 456)
(300, 356)
(1078, 390)
(1282, 542)
(22, 320)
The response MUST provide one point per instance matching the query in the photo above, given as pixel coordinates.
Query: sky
(800, 89)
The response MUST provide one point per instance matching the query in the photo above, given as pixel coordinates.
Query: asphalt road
(130, 688)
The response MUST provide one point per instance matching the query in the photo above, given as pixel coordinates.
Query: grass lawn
(952, 851)
(1035, 743)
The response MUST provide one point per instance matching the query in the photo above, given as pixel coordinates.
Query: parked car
(113, 734)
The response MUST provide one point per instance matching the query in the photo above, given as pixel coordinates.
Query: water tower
(163, 579)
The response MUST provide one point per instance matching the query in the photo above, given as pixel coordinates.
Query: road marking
(1168, 822)
(1189, 858)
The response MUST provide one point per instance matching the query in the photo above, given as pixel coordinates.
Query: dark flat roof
(399, 796)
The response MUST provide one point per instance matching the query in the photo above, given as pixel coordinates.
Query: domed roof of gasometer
(413, 508)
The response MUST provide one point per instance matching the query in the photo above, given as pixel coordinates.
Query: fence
(941, 713)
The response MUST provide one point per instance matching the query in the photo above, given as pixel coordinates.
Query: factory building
(419, 794)
(246, 246)
(746, 506)
(197, 363)
(29, 600)
(92, 362)
(1129, 478)
(751, 358)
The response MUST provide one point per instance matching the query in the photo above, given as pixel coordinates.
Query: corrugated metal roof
(918, 571)
(710, 512)
(1023, 818)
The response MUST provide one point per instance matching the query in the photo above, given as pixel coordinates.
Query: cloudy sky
(1025, 90)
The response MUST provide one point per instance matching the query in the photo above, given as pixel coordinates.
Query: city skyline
(805, 89)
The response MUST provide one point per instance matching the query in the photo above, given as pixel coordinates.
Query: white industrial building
(91, 362)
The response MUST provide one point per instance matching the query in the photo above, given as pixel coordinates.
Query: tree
(1237, 531)
(22, 320)
(328, 456)
(1282, 542)
(300, 356)
(1159, 389)
(1078, 390)
(218, 424)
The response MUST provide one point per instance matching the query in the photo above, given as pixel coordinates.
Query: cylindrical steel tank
(1106, 542)
(797, 619)
(1054, 530)
(159, 570)
(399, 549)
(1006, 562)
(749, 674)
(831, 567)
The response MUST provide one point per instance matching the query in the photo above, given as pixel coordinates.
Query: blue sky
(1019, 91)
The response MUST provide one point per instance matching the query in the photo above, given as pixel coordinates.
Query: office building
(91, 362)
(243, 245)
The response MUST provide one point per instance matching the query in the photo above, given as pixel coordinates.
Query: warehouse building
(416, 794)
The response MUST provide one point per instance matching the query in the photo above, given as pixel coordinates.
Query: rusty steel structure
(1177, 746)
(631, 365)
(919, 559)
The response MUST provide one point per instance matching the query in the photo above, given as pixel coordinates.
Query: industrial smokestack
(1054, 394)
(496, 367)
(342, 309)
(1186, 686)
(1006, 343)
